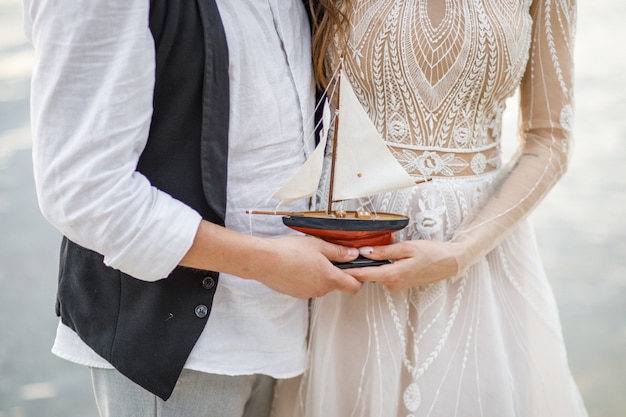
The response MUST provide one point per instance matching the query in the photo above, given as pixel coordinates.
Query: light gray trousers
(197, 394)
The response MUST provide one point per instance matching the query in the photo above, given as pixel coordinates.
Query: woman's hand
(414, 262)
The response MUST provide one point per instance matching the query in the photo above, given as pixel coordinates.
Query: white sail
(364, 165)
(305, 181)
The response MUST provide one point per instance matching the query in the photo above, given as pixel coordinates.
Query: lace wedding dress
(434, 77)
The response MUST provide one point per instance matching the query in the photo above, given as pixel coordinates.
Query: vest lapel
(214, 147)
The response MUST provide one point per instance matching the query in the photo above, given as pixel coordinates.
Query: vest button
(201, 311)
(208, 283)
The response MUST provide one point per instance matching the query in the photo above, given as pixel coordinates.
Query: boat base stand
(359, 262)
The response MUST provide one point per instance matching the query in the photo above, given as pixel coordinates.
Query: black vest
(147, 329)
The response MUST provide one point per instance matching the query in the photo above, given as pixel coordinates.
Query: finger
(350, 285)
(338, 253)
(378, 253)
(370, 274)
(344, 282)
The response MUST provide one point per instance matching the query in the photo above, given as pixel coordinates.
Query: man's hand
(299, 266)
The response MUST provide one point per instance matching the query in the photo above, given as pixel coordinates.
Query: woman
(463, 321)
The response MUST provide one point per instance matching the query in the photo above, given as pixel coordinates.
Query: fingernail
(352, 252)
(366, 250)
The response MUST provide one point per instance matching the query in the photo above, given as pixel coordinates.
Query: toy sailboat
(361, 166)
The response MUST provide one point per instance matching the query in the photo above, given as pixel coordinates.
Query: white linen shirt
(91, 105)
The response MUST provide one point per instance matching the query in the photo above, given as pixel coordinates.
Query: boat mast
(329, 208)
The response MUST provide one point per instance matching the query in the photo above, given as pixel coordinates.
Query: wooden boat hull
(348, 230)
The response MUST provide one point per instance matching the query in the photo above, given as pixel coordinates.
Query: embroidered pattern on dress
(436, 92)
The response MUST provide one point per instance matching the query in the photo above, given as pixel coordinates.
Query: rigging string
(279, 177)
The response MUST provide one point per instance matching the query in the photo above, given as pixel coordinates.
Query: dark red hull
(350, 230)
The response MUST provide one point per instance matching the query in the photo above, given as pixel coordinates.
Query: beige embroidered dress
(434, 77)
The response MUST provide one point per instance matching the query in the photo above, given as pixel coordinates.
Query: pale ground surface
(581, 229)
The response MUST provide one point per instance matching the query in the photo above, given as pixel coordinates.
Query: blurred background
(581, 228)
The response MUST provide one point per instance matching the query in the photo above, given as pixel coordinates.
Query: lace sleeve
(546, 107)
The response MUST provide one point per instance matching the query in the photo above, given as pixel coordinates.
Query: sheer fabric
(434, 77)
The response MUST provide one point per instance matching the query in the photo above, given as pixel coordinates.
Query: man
(156, 124)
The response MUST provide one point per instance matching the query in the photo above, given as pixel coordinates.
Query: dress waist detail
(449, 163)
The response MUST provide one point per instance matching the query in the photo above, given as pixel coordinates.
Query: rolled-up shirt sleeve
(91, 108)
